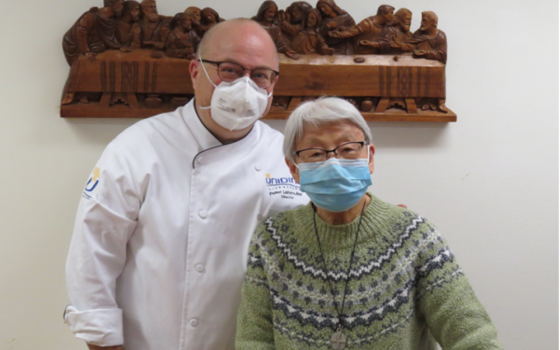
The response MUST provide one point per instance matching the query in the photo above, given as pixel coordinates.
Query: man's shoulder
(149, 132)
(269, 134)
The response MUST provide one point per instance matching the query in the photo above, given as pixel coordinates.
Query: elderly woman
(349, 270)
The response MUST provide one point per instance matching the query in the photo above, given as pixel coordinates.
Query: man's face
(405, 22)
(210, 18)
(135, 13)
(388, 15)
(117, 8)
(196, 17)
(326, 9)
(187, 23)
(149, 11)
(426, 23)
(296, 14)
(243, 44)
(311, 20)
(270, 13)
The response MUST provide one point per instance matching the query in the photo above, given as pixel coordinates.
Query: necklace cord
(349, 266)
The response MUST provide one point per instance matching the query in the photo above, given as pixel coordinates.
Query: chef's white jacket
(160, 243)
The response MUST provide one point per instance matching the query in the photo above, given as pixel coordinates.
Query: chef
(160, 243)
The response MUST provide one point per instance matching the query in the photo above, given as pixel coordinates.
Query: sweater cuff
(102, 327)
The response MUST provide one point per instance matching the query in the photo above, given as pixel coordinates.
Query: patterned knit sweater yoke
(405, 289)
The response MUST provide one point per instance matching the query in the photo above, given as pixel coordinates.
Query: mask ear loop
(207, 76)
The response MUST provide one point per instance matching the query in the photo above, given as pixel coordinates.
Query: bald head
(240, 41)
(430, 15)
(238, 34)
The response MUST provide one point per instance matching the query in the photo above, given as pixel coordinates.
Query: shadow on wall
(409, 135)
(98, 131)
(385, 134)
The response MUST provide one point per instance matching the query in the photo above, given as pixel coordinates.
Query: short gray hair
(321, 111)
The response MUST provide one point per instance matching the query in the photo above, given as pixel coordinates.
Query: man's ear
(194, 70)
(293, 169)
(371, 153)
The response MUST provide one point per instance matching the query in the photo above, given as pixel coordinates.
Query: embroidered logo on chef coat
(92, 182)
(284, 187)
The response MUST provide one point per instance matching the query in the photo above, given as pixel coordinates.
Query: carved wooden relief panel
(128, 61)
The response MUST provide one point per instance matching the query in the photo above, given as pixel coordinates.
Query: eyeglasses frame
(362, 144)
(217, 63)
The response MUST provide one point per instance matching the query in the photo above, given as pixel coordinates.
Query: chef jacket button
(199, 268)
(258, 167)
(202, 214)
(199, 160)
(194, 322)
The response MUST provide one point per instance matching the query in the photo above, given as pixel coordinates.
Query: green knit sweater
(405, 289)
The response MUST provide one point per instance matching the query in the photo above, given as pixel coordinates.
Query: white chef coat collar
(208, 141)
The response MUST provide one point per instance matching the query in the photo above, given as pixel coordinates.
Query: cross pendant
(338, 340)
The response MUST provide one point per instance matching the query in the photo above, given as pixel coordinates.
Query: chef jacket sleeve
(105, 221)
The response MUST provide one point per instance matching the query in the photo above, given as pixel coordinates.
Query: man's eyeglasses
(348, 150)
(229, 71)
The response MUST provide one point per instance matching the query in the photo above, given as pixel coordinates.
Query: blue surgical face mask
(335, 185)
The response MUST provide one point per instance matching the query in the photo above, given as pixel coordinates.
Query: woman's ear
(293, 169)
(371, 153)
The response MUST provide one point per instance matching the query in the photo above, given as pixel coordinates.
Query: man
(128, 30)
(161, 238)
(155, 28)
(394, 37)
(93, 32)
(430, 42)
(291, 21)
(183, 40)
(196, 16)
(265, 17)
(369, 29)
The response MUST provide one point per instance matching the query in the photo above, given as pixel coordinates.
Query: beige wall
(489, 181)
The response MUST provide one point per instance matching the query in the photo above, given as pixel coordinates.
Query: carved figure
(155, 28)
(265, 17)
(335, 19)
(309, 40)
(209, 18)
(291, 21)
(196, 16)
(369, 29)
(93, 32)
(428, 41)
(129, 32)
(395, 36)
(183, 40)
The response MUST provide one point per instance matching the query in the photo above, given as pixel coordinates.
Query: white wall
(488, 181)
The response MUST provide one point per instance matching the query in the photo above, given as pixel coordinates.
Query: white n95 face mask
(238, 104)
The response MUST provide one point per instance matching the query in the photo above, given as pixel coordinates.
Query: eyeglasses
(229, 71)
(348, 150)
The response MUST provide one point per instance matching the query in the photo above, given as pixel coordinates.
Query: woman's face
(329, 136)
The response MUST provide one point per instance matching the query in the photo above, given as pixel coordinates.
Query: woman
(349, 270)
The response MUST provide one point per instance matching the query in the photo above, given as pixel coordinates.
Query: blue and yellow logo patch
(92, 182)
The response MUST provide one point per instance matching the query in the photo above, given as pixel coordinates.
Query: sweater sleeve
(455, 317)
(254, 320)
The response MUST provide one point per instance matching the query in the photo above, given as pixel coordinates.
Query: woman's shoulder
(398, 220)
